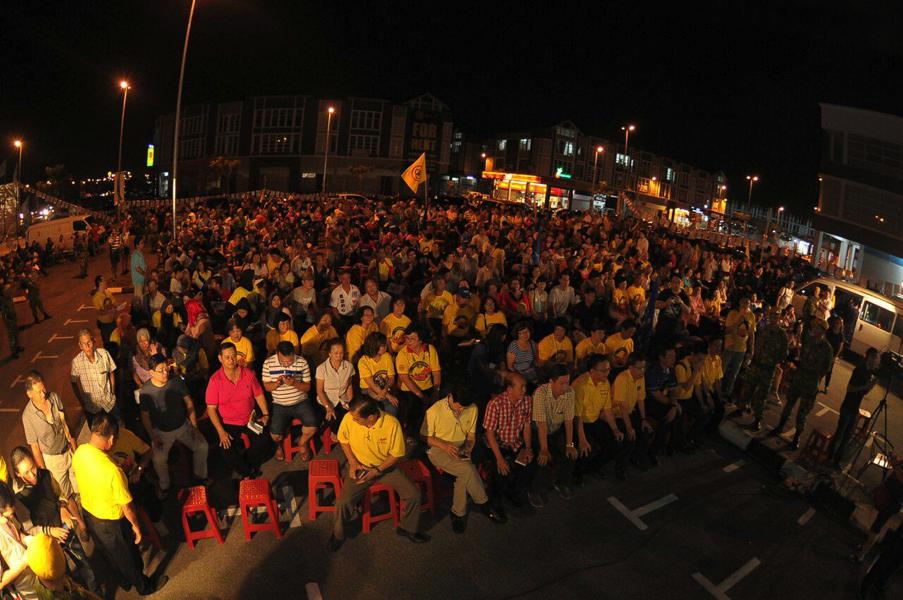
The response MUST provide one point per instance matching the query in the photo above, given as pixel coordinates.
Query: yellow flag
(416, 173)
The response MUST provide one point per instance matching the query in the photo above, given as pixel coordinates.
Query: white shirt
(335, 381)
(345, 302)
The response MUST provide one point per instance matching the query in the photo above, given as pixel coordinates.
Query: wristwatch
(571, 445)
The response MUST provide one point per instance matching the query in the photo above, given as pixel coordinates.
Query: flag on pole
(416, 173)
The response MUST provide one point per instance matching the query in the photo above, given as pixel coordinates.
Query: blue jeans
(732, 362)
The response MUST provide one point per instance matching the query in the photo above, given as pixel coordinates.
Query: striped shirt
(285, 394)
(552, 410)
(94, 379)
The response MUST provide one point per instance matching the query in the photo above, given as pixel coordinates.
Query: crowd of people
(517, 352)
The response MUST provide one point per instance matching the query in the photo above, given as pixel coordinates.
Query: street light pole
(124, 85)
(599, 150)
(18, 144)
(329, 112)
(751, 179)
(178, 119)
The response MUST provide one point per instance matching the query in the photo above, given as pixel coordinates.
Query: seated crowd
(518, 353)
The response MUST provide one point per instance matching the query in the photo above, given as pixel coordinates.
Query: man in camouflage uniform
(9, 317)
(771, 349)
(81, 253)
(33, 293)
(815, 360)
(809, 308)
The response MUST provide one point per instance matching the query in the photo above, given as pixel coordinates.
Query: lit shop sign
(560, 174)
(150, 155)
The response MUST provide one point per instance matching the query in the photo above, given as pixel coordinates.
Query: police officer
(9, 317)
(771, 349)
(33, 293)
(815, 360)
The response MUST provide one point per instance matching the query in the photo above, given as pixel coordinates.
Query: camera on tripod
(891, 365)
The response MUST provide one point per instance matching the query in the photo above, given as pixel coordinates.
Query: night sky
(734, 87)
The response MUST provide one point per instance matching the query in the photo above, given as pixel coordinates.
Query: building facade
(860, 205)
(280, 142)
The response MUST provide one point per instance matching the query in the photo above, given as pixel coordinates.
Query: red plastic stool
(815, 451)
(420, 475)
(194, 500)
(322, 473)
(368, 518)
(256, 492)
(289, 449)
(148, 529)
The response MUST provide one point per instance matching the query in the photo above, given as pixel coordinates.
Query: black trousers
(846, 423)
(116, 541)
(695, 418)
(605, 447)
(411, 410)
(664, 431)
(515, 483)
(561, 468)
(245, 461)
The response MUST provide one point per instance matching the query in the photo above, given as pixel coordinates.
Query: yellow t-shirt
(441, 422)
(380, 370)
(4, 471)
(553, 351)
(619, 348)
(274, 337)
(484, 321)
(737, 328)
(712, 371)
(627, 391)
(682, 372)
(355, 337)
(372, 446)
(393, 328)
(98, 301)
(244, 349)
(419, 366)
(385, 269)
(311, 342)
(586, 347)
(102, 484)
(590, 398)
(237, 295)
(157, 319)
(436, 304)
(635, 291)
(453, 312)
(618, 295)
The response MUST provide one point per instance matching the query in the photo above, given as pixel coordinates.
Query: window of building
(525, 144)
(669, 174)
(273, 143)
(228, 123)
(876, 315)
(274, 118)
(191, 148)
(875, 155)
(621, 159)
(370, 120)
(363, 144)
(226, 145)
(566, 147)
(396, 147)
(192, 125)
(502, 144)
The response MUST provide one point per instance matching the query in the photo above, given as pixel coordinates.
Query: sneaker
(535, 500)
(564, 491)
(459, 524)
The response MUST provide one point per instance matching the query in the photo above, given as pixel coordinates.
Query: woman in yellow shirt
(103, 301)
(490, 316)
(356, 335)
(282, 333)
(394, 325)
(243, 348)
(377, 372)
(313, 339)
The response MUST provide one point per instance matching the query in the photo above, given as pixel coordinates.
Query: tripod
(882, 442)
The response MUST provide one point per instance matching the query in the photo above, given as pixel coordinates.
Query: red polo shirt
(234, 401)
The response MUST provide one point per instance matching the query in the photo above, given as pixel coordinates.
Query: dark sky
(730, 86)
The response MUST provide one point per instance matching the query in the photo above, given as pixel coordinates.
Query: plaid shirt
(94, 378)
(551, 410)
(506, 419)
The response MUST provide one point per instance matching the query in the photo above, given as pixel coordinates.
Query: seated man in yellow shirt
(107, 504)
(628, 397)
(712, 373)
(620, 344)
(556, 348)
(594, 344)
(688, 372)
(599, 435)
(450, 431)
(373, 443)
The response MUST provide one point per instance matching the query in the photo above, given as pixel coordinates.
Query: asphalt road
(711, 520)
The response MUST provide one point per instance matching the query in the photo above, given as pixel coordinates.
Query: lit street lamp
(599, 150)
(780, 210)
(178, 117)
(18, 144)
(751, 179)
(627, 129)
(329, 112)
(125, 87)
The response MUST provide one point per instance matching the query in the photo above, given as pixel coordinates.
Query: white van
(61, 231)
(879, 320)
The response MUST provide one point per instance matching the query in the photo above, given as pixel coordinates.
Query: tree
(224, 168)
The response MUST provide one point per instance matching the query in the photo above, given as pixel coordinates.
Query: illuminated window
(669, 174)
(502, 144)
(525, 143)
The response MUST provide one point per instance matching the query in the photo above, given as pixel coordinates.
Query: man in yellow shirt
(450, 431)
(739, 342)
(620, 344)
(106, 502)
(629, 405)
(594, 344)
(688, 372)
(711, 384)
(599, 437)
(373, 443)
(312, 341)
(556, 348)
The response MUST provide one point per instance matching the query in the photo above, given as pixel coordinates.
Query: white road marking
(720, 591)
(10, 410)
(55, 337)
(313, 591)
(734, 466)
(18, 379)
(806, 516)
(634, 515)
(68, 321)
(83, 307)
(822, 412)
(825, 409)
(289, 505)
(38, 355)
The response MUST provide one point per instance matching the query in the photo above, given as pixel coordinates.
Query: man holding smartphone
(450, 431)
(373, 443)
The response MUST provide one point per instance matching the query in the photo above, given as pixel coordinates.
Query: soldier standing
(809, 308)
(816, 357)
(9, 317)
(81, 253)
(772, 344)
(33, 293)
